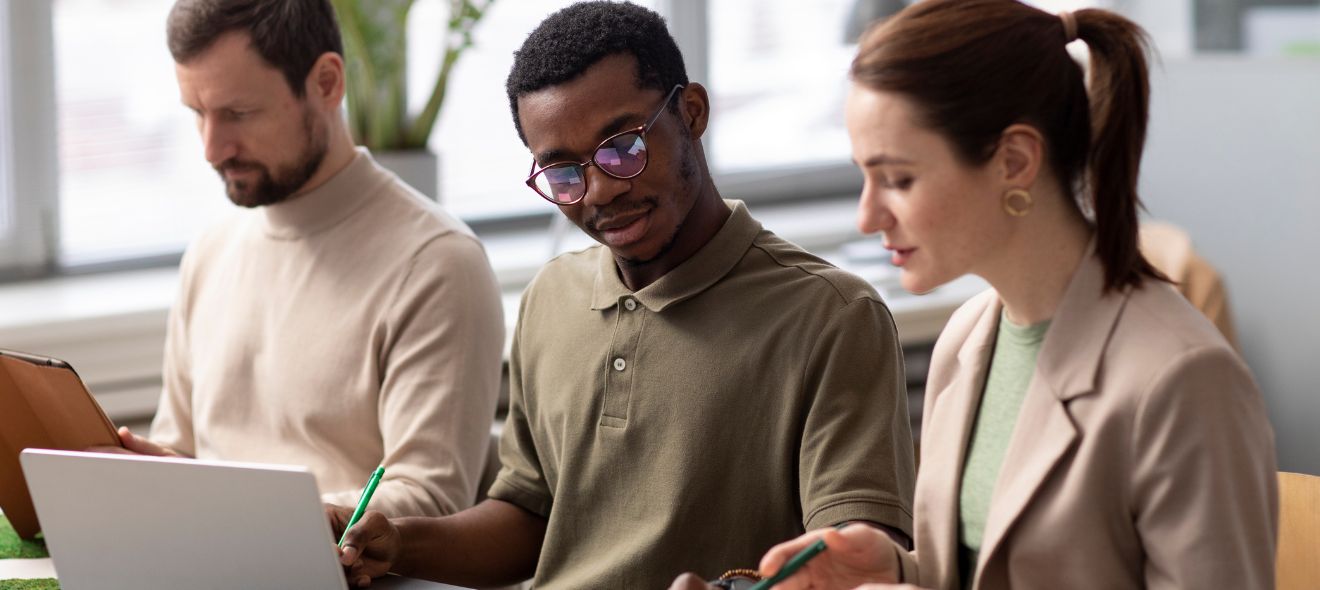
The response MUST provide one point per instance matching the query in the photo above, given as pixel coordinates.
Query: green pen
(362, 502)
(792, 566)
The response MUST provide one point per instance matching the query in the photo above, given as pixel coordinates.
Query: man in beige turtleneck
(341, 320)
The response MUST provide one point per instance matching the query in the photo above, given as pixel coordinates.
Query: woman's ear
(1020, 155)
(694, 105)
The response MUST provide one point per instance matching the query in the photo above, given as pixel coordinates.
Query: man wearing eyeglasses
(688, 393)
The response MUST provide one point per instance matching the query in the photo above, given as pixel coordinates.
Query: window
(778, 76)
(133, 181)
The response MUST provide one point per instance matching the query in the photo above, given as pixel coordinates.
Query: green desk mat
(39, 584)
(13, 547)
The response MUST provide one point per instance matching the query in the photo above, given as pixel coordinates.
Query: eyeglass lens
(621, 156)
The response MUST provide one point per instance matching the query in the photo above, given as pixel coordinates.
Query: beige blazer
(1142, 455)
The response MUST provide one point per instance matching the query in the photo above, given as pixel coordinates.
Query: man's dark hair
(289, 34)
(567, 43)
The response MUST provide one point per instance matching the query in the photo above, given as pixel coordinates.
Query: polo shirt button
(620, 364)
(630, 304)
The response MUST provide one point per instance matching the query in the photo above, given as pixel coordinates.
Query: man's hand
(857, 554)
(372, 545)
(136, 445)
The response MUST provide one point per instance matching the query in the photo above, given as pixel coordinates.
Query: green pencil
(362, 502)
(792, 566)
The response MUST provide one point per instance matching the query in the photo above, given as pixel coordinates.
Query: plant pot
(419, 168)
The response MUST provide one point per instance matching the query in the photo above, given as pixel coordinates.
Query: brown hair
(289, 34)
(975, 67)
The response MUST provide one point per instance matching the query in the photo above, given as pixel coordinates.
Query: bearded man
(339, 320)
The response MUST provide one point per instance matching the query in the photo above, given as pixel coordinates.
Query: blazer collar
(952, 415)
(1069, 359)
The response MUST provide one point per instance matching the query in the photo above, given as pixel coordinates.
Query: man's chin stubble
(664, 249)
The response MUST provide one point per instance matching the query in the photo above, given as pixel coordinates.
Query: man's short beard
(270, 189)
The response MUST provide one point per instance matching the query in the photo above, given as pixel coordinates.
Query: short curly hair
(567, 43)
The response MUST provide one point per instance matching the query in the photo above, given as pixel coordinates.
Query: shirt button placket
(623, 351)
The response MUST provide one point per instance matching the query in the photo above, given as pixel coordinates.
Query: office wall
(1233, 156)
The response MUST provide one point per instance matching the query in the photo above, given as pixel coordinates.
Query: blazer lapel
(1042, 436)
(951, 417)
(1045, 433)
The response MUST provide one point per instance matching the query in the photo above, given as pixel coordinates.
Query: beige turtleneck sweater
(355, 325)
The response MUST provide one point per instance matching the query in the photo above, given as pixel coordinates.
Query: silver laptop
(118, 522)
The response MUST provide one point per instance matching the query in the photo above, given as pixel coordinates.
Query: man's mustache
(236, 166)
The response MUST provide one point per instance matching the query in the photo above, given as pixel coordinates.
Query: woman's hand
(857, 554)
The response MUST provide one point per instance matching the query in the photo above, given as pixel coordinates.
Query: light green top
(1011, 367)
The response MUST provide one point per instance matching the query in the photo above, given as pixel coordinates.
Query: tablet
(44, 405)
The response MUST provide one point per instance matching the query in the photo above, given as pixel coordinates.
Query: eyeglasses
(622, 156)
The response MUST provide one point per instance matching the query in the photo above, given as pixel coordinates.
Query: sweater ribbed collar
(327, 205)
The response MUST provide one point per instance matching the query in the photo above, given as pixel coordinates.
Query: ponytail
(1120, 107)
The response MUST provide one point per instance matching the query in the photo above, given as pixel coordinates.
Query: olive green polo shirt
(753, 392)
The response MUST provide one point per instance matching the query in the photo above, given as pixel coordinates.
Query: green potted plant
(376, 48)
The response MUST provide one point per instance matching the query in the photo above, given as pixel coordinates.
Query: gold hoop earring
(1014, 209)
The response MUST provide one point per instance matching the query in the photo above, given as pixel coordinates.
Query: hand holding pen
(857, 554)
(370, 543)
(363, 500)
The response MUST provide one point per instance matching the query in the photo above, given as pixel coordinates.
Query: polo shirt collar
(692, 276)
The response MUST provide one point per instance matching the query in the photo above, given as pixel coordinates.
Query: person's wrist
(410, 530)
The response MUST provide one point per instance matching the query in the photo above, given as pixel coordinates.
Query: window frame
(8, 210)
(30, 175)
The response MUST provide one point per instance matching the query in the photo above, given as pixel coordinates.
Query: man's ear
(325, 81)
(694, 106)
(1020, 155)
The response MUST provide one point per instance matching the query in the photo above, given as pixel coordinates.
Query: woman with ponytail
(1084, 426)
